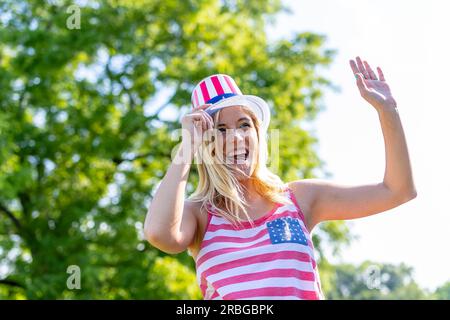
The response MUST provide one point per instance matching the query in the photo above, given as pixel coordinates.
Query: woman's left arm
(330, 201)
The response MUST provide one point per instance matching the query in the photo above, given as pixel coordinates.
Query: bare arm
(171, 223)
(398, 176)
(331, 201)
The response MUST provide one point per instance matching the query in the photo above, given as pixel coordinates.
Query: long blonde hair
(219, 189)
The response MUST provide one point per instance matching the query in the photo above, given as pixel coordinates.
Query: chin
(247, 171)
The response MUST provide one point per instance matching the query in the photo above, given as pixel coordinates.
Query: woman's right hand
(194, 125)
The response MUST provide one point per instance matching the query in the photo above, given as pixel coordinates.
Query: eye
(245, 124)
(223, 130)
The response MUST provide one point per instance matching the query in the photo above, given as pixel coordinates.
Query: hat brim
(256, 104)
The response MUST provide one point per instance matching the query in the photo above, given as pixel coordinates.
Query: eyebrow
(243, 118)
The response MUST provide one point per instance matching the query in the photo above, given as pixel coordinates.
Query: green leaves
(375, 281)
(178, 279)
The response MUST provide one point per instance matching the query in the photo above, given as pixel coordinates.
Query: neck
(249, 190)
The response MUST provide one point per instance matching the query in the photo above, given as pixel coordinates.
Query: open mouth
(240, 157)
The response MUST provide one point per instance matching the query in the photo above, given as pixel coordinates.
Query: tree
(87, 116)
(442, 292)
(373, 281)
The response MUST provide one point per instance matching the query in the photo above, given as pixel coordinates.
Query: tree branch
(11, 283)
(11, 216)
(25, 202)
(116, 77)
(140, 156)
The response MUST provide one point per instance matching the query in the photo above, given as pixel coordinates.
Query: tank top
(271, 260)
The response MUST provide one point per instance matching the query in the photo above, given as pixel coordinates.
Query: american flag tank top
(273, 259)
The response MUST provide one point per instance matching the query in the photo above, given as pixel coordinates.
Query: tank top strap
(210, 213)
(295, 202)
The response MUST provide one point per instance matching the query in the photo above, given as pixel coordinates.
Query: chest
(255, 212)
(278, 236)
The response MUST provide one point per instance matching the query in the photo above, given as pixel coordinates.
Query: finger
(372, 74)
(197, 130)
(201, 110)
(202, 107)
(361, 68)
(197, 114)
(380, 73)
(209, 118)
(197, 122)
(204, 122)
(209, 133)
(360, 82)
(354, 67)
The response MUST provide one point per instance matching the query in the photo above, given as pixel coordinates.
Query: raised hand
(194, 125)
(373, 88)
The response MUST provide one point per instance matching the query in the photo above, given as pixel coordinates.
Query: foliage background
(86, 132)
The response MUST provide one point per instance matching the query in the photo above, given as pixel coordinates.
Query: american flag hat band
(221, 91)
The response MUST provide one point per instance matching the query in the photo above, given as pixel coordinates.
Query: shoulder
(192, 206)
(305, 192)
(309, 188)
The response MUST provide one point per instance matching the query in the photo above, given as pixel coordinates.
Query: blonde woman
(249, 232)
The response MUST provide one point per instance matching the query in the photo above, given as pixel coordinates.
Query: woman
(250, 233)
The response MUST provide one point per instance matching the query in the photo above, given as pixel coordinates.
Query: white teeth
(237, 157)
(240, 156)
(232, 154)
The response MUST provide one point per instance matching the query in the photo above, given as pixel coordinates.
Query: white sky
(409, 40)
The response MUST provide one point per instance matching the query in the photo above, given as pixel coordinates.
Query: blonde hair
(219, 189)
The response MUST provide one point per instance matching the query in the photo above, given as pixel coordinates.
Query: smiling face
(238, 139)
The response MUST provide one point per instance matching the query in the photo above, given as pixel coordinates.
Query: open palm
(373, 88)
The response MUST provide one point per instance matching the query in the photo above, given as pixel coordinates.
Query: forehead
(233, 114)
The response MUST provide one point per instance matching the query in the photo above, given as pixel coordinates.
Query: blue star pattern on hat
(286, 229)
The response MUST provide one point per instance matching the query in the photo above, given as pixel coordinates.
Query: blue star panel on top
(286, 229)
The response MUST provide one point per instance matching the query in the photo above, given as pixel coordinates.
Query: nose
(239, 134)
(235, 139)
(235, 135)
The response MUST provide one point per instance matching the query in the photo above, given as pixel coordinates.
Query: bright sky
(409, 40)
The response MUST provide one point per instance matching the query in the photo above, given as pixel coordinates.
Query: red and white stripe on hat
(214, 88)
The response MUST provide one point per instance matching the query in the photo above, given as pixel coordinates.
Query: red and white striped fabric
(274, 259)
(214, 88)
